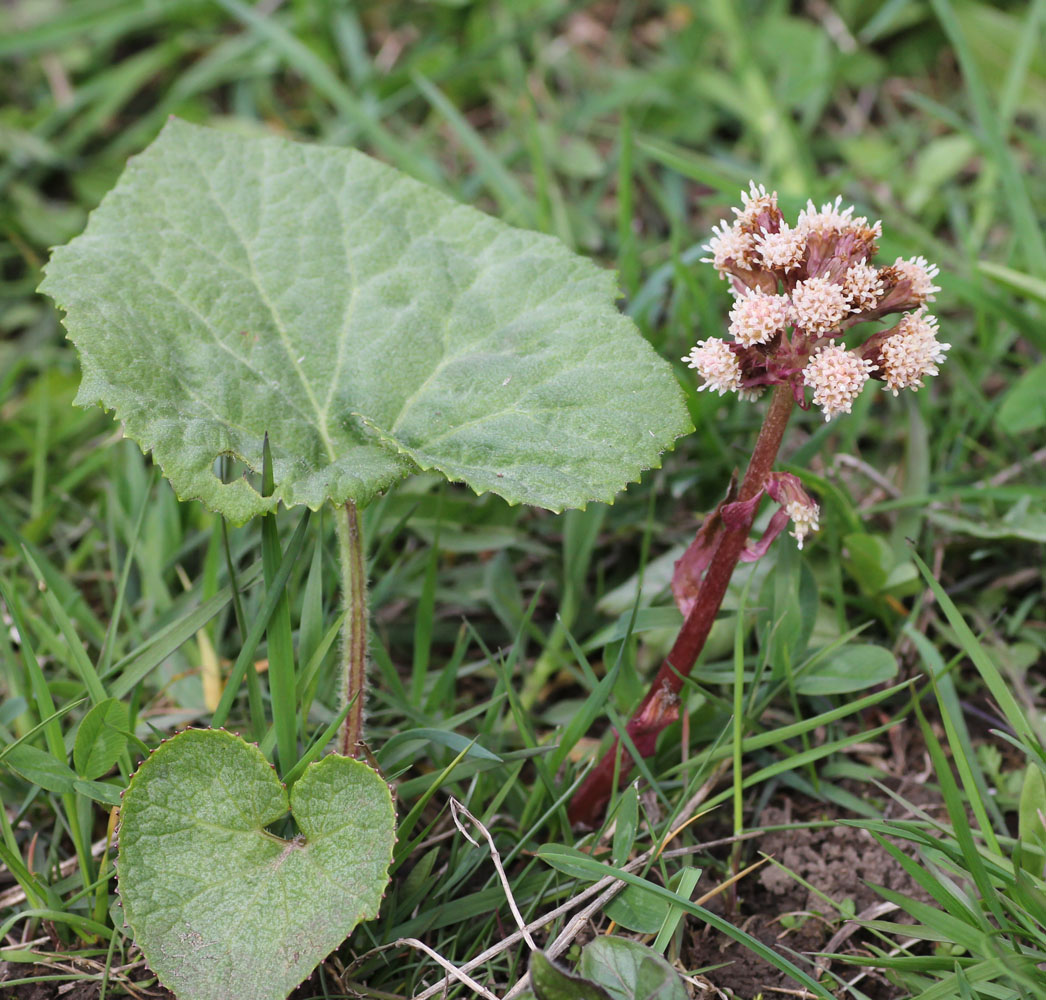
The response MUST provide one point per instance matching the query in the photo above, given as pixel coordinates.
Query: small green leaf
(852, 668)
(641, 911)
(230, 287)
(630, 970)
(222, 908)
(637, 910)
(101, 739)
(40, 768)
(626, 821)
(550, 982)
(1023, 407)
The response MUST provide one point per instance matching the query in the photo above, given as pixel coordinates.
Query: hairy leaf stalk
(654, 711)
(353, 629)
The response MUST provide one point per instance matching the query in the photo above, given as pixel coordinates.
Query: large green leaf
(222, 908)
(231, 286)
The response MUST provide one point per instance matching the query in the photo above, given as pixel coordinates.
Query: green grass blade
(979, 656)
(261, 621)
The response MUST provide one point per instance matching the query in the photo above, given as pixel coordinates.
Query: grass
(625, 130)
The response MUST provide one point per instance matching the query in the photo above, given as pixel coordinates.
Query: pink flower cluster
(798, 290)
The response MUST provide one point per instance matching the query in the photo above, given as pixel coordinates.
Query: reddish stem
(657, 709)
(353, 630)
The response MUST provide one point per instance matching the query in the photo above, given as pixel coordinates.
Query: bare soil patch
(837, 863)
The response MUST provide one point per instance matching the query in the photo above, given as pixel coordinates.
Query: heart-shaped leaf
(231, 286)
(222, 908)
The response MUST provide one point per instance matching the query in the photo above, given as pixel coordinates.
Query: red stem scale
(656, 710)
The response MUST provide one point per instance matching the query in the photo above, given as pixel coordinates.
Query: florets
(837, 377)
(920, 273)
(912, 352)
(782, 250)
(729, 247)
(716, 364)
(756, 202)
(819, 305)
(805, 516)
(756, 317)
(863, 287)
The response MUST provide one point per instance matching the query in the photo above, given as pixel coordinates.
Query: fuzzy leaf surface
(222, 908)
(230, 286)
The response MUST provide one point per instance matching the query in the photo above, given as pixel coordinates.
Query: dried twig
(455, 808)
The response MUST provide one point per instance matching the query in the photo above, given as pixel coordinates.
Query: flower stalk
(658, 709)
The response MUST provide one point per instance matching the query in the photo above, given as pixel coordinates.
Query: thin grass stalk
(653, 713)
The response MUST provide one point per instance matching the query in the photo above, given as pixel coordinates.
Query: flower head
(837, 377)
(912, 353)
(755, 201)
(716, 364)
(803, 512)
(782, 250)
(920, 273)
(862, 287)
(756, 317)
(798, 289)
(832, 218)
(729, 247)
(819, 305)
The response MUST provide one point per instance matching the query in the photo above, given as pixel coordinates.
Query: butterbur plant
(798, 332)
(240, 298)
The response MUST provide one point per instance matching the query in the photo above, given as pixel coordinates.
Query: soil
(90, 990)
(63, 989)
(798, 922)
